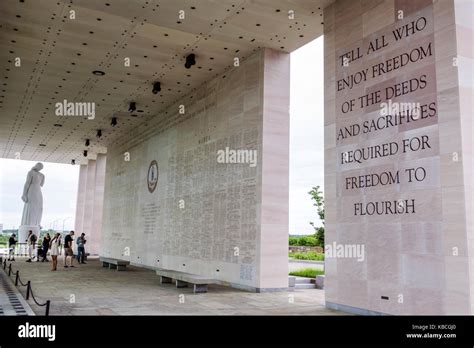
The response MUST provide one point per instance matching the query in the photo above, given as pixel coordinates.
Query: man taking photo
(81, 252)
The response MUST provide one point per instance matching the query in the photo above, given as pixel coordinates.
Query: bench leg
(121, 268)
(165, 280)
(200, 288)
(112, 266)
(181, 284)
(105, 264)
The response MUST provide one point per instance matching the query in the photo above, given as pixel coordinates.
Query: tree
(318, 201)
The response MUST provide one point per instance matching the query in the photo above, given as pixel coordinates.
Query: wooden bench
(119, 265)
(182, 279)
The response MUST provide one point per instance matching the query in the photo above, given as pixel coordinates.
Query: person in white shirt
(31, 242)
(54, 247)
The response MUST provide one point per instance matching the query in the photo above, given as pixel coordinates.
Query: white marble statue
(33, 198)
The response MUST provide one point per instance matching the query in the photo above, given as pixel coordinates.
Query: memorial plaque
(392, 160)
(386, 123)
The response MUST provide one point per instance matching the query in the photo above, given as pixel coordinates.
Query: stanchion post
(16, 277)
(28, 287)
(47, 308)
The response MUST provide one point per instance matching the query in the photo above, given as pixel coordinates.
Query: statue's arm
(29, 177)
(42, 180)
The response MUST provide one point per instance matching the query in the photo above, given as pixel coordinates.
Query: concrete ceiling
(58, 54)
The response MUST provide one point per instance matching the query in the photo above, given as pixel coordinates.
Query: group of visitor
(53, 246)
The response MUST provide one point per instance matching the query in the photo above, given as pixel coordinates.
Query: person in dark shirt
(11, 247)
(46, 241)
(68, 249)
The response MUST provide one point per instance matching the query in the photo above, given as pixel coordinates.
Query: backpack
(33, 238)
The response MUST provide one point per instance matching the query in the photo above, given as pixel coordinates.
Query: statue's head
(38, 166)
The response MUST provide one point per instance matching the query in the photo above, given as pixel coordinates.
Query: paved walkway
(93, 290)
(11, 300)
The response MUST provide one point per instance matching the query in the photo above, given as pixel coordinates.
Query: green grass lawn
(310, 255)
(307, 273)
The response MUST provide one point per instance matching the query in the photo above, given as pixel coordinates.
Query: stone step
(302, 280)
(305, 286)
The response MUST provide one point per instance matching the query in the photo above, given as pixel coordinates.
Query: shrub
(309, 241)
(319, 236)
(308, 256)
(293, 241)
(308, 273)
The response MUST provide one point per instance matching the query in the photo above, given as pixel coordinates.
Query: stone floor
(93, 290)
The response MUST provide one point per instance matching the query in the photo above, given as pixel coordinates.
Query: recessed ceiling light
(42, 145)
(58, 125)
(98, 73)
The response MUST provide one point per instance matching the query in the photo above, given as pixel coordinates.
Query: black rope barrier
(47, 303)
(18, 279)
(29, 290)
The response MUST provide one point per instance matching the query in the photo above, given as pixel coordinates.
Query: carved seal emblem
(152, 177)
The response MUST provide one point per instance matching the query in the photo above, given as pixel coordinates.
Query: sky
(306, 134)
(306, 157)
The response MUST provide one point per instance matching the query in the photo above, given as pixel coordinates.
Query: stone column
(463, 53)
(89, 202)
(275, 172)
(416, 233)
(96, 228)
(81, 191)
(88, 217)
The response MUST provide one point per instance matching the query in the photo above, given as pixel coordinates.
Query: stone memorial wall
(205, 214)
